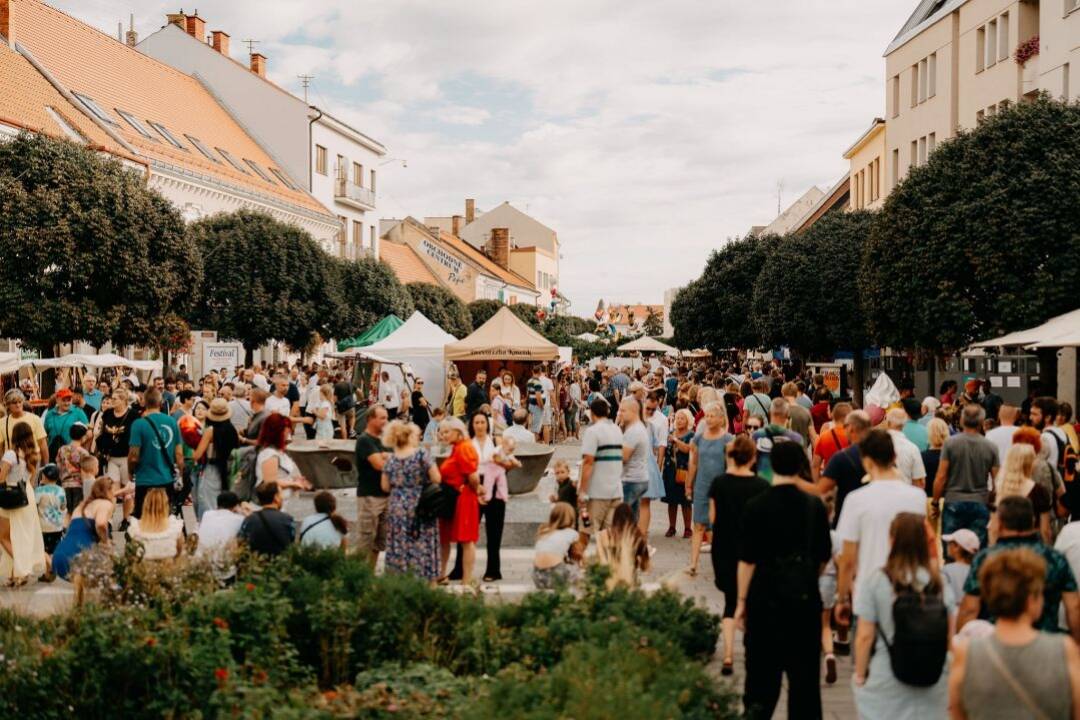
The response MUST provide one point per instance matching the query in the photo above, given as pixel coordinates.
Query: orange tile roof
(405, 263)
(87, 61)
(487, 264)
(24, 96)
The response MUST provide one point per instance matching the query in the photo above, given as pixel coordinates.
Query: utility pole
(305, 82)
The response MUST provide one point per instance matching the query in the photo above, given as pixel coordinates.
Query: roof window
(134, 122)
(232, 161)
(202, 148)
(95, 109)
(164, 132)
(258, 170)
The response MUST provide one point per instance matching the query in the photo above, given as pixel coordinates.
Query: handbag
(680, 476)
(13, 497)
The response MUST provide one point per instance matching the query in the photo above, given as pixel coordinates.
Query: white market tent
(9, 362)
(646, 344)
(587, 337)
(1060, 331)
(421, 344)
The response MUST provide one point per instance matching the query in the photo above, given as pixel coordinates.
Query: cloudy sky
(645, 133)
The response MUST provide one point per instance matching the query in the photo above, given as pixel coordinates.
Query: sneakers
(830, 669)
(706, 547)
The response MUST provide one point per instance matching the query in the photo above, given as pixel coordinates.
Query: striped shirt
(604, 442)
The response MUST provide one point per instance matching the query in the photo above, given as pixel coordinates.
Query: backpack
(920, 643)
(1067, 459)
(242, 472)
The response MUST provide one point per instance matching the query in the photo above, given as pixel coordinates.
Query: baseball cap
(64, 393)
(964, 538)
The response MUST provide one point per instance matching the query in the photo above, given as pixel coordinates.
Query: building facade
(316, 150)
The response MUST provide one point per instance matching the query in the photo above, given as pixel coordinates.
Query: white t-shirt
(604, 442)
(390, 394)
(279, 405)
(556, 542)
(549, 388)
(866, 516)
(908, 458)
(1050, 438)
(286, 466)
(216, 529)
(157, 545)
(658, 427)
(636, 469)
(1002, 439)
(520, 434)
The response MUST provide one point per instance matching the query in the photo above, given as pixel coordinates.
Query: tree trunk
(249, 356)
(931, 374)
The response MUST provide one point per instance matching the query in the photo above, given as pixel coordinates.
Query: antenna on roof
(251, 45)
(305, 82)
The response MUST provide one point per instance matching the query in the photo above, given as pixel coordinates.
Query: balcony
(353, 195)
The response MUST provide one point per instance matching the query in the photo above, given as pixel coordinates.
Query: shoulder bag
(13, 497)
(178, 482)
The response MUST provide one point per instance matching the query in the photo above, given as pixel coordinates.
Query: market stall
(378, 331)
(504, 341)
(648, 346)
(421, 345)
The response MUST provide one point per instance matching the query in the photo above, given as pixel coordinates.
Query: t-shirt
(52, 504)
(556, 542)
(116, 431)
(636, 469)
(1054, 439)
(241, 414)
(917, 434)
(389, 395)
(620, 382)
(956, 574)
(9, 423)
(58, 425)
(765, 439)
(1001, 437)
(731, 493)
(279, 405)
(758, 405)
(830, 442)
(318, 531)
(604, 442)
(777, 526)
(971, 459)
(658, 428)
(931, 460)
(92, 399)
(549, 390)
(255, 424)
(908, 458)
(153, 469)
(268, 531)
(520, 434)
(800, 421)
(420, 415)
(532, 387)
(368, 479)
(216, 529)
(68, 460)
(867, 515)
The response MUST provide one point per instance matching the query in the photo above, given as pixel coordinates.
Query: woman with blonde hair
(89, 526)
(937, 433)
(160, 533)
(557, 549)
(412, 547)
(323, 410)
(622, 548)
(1016, 479)
(708, 461)
(676, 466)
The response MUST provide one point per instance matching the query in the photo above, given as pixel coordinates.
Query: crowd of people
(933, 540)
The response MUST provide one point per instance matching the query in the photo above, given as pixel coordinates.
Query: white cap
(964, 538)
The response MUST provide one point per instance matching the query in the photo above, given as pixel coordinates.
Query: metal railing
(351, 191)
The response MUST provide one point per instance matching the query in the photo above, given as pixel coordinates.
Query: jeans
(974, 516)
(632, 493)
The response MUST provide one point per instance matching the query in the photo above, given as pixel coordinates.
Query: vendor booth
(648, 346)
(382, 329)
(420, 344)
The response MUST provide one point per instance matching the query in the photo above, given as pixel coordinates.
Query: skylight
(232, 161)
(135, 123)
(202, 148)
(94, 108)
(164, 132)
(67, 127)
(258, 170)
(284, 179)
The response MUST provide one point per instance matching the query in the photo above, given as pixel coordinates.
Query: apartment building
(313, 148)
(954, 63)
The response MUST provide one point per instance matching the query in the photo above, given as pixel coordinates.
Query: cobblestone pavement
(668, 570)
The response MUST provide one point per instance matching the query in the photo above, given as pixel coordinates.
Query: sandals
(670, 532)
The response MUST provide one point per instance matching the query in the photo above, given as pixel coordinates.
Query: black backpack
(920, 643)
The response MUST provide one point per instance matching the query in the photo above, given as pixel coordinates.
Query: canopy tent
(1060, 331)
(420, 343)
(9, 362)
(373, 334)
(92, 361)
(697, 354)
(646, 344)
(504, 337)
(587, 337)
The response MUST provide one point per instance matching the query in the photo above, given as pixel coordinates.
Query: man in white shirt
(1043, 413)
(868, 512)
(637, 445)
(218, 532)
(518, 431)
(278, 402)
(389, 395)
(908, 458)
(549, 398)
(1002, 435)
(600, 487)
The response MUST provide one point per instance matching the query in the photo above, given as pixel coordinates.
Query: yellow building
(867, 158)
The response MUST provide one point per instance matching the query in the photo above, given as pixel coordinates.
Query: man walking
(371, 501)
(968, 462)
(636, 447)
(155, 451)
(58, 420)
(600, 486)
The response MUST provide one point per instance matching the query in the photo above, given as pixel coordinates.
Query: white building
(336, 163)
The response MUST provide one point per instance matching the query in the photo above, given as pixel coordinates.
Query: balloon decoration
(540, 315)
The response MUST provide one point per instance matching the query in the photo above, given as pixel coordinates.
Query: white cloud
(646, 133)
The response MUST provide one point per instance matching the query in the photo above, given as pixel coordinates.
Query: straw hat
(219, 410)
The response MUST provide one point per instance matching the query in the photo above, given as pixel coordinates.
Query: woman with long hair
(411, 546)
(908, 569)
(1042, 472)
(1015, 478)
(557, 549)
(272, 463)
(90, 525)
(159, 532)
(622, 548)
(22, 547)
(214, 451)
(493, 466)
(324, 528)
(461, 472)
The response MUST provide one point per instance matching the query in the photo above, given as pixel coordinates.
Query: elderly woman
(676, 466)
(707, 462)
(460, 471)
(412, 547)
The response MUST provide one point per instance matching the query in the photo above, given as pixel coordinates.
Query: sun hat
(219, 410)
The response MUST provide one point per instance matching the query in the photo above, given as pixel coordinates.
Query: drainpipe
(311, 140)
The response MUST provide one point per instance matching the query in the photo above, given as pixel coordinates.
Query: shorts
(74, 496)
(536, 419)
(52, 539)
(601, 512)
(371, 515)
(117, 469)
(547, 417)
(827, 588)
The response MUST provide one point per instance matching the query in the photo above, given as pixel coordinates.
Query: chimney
(500, 247)
(258, 64)
(470, 210)
(220, 41)
(195, 26)
(132, 37)
(455, 223)
(7, 22)
(179, 19)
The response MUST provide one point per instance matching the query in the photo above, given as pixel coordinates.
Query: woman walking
(459, 471)
(322, 409)
(22, 547)
(411, 546)
(909, 569)
(1016, 479)
(708, 461)
(676, 466)
(218, 440)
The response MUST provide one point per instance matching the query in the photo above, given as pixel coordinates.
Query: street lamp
(403, 161)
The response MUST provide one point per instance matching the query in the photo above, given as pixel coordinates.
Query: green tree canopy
(441, 307)
(526, 312)
(482, 310)
(984, 238)
(90, 253)
(265, 280)
(370, 291)
(805, 295)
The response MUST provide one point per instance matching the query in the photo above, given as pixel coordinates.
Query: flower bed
(316, 635)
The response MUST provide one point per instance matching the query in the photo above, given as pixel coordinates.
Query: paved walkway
(668, 570)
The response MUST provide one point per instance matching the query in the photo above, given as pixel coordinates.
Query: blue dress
(410, 548)
(711, 464)
(80, 536)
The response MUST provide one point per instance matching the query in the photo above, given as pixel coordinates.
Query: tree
(559, 327)
(527, 313)
(265, 280)
(654, 324)
(984, 238)
(442, 307)
(483, 310)
(370, 291)
(90, 253)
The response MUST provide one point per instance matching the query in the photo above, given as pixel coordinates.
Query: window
(875, 179)
(914, 161)
(922, 150)
(991, 43)
(284, 179)
(922, 80)
(231, 160)
(372, 232)
(202, 148)
(931, 75)
(342, 169)
(980, 50)
(358, 174)
(134, 122)
(67, 128)
(371, 187)
(320, 159)
(895, 167)
(914, 85)
(94, 108)
(258, 170)
(979, 117)
(358, 233)
(164, 132)
(931, 143)
(1003, 37)
(896, 94)
(343, 233)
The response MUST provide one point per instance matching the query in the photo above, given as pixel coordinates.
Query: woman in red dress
(459, 471)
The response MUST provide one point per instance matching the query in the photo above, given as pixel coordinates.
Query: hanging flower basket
(1027, 50)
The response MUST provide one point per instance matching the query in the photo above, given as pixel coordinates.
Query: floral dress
(410, 549)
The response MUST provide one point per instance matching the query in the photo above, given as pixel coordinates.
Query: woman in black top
(418, 408)
(727, 500)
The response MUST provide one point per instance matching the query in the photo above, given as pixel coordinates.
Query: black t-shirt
(293, 393)
(368, 479)
(268, 531)
(785, 535)
(731, 493)
(568, 494)
(475, 397)
(931, 460)
(419, 413)
(116, 431)
(845, 468)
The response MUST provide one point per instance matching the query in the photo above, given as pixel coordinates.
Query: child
(69, 460)
(567, 491)
(52, 505)
(495, 475)
(431, 432)
(963, 546)
(88, 473)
